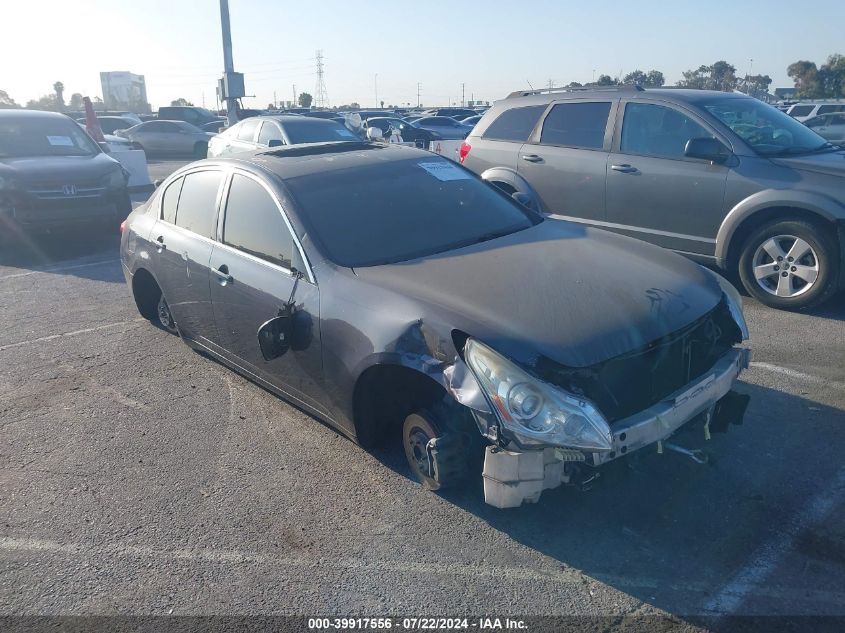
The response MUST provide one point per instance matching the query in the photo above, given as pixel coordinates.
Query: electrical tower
(321, 96)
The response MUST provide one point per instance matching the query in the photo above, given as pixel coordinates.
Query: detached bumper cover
(667, 416)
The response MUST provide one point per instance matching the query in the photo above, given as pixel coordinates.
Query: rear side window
(269, 132)
(826, 109)
(576, 125)
(254, 223)
(170, 200)
(838, 119)
(198, 202)
(515, 124)
(800, 110)
(653, 130)
(246, 132)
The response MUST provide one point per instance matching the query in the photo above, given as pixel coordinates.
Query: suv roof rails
(542, 91)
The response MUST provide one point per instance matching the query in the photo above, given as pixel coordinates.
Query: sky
(381, 48)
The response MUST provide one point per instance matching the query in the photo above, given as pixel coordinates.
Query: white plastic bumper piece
(512, 478)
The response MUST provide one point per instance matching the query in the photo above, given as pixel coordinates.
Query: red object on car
(465, 147)
(92, 125)
(122, 227)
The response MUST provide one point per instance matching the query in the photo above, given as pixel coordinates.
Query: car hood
(33, 169)
(830, 163)
(573, 294)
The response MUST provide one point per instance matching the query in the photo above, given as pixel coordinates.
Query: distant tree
(574, 84)
(832, 76)
(652, 79)
(806, 77)
(75, 101)
(382, 104)
(606, 80)
(754, 85)
(719, 76)
(6, 102)
(305, 99)
(181, 101)
(59, 89)
(655, 79)
(47, 102)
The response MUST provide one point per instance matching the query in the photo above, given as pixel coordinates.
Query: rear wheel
(790, 264)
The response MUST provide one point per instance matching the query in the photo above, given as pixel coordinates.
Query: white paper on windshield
(345, 133)
(445, 171)
(64, 141)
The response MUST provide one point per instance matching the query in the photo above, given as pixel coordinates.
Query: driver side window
(654, 130)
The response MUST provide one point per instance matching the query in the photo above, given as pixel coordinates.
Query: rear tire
(790, 264)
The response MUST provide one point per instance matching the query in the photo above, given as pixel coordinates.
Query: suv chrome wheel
(785, 266)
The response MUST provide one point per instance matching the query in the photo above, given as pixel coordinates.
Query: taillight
(465, 147)
(122, 227)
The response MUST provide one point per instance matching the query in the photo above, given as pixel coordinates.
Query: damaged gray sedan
(391, 293)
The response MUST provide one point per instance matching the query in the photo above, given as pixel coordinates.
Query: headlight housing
(537, 413)
(117, 179)
(734, 302)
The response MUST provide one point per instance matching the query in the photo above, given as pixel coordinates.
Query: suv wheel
(790, 264)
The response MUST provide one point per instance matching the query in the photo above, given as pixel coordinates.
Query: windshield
(44, 136)
(316, 131)
(400, 210)
(766, 129)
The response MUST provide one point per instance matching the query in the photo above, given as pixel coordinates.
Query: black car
(408, 131)
(52, 174)
(383, 288)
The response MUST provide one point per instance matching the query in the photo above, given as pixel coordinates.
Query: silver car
(445, 126)
(274, 131)
(169, 137)
(829, 126)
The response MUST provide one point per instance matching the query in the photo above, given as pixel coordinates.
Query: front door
(565, 161)
(253, 274)
(655, 192)
(183, 243)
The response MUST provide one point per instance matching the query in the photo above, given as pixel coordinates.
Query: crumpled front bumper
(664, 418)
(514, 477)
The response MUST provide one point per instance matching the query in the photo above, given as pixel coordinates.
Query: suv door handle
(532, 158)
(625, 168)
(160, 245)
(223, 275)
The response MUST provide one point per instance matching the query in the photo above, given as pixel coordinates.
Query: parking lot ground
(139, 477)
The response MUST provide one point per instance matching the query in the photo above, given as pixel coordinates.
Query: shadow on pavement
(671, 532)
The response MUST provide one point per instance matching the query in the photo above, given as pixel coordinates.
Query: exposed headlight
(734, 303)
(534, 411)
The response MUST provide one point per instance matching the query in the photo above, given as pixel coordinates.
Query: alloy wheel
(785, 266)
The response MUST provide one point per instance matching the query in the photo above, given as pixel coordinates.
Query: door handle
(160, 245)
(223, 275)
(532, 158)
(625, 168)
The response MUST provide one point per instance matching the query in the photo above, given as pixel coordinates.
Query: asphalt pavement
(139, 477)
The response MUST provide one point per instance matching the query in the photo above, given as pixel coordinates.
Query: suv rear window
(801, 110)
(576, 125)
(514, 124)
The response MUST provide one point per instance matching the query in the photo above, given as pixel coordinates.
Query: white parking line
(57, 269)
(53, 337)
(764, 561)
(799, 375)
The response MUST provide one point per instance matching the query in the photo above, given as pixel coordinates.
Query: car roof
(31, 114)
(679, 95)
(292, 118)
(293, 161)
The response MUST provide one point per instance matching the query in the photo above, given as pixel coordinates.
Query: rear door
(183, 241)
(565, 160)
(252, 280)
(244, 138)
(501, 141)
(654, 192)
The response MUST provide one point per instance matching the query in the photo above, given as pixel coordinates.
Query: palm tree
(59, 89)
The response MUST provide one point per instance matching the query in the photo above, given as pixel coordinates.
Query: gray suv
(722, 178)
